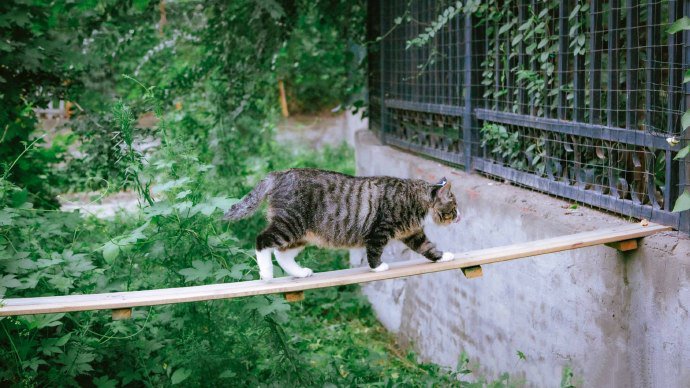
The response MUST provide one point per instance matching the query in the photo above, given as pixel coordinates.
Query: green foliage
(322, 60)
(208, 78)
(435, 26)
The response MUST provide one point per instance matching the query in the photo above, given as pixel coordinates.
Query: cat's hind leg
(374, 252)
(278, 235)
(265, 262)
(286, 260)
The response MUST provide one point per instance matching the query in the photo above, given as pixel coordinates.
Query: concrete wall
(618, 320)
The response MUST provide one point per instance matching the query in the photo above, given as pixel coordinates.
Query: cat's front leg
(419, 243)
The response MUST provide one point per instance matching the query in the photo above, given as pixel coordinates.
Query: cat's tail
(248, 205)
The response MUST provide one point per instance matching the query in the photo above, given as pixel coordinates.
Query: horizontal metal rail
(601, 132)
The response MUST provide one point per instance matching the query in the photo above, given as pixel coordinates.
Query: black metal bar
(595, 69)
(562, 59)
(612, 119)
(449, 110)
(467, 121)
(382, 78)
(521, 90)
(684, 167)
(600, 132)
(497, 68)
(507, 69)
(438, 90)
(455, 158)
(563, 189)
(487, 40)
(652, 77)
(579, 77)
(632, 65)
(671, 188)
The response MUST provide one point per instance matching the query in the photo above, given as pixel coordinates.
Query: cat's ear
(441, 189)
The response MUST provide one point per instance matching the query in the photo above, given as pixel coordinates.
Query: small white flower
(672, 140)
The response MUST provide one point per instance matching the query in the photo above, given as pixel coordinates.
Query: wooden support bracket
(120, 314)
(294, 296)
(624, 246)
(473, 272)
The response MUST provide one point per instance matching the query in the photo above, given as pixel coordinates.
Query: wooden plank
(120, 314)
(294, 296)
(624, 246)
(473, 272)
(124, 300)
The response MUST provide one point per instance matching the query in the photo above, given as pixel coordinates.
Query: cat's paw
(447, 256)
(266, 275)
(303, 273)
(382, 267)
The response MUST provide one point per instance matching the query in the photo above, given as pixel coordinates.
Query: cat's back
(338, 209)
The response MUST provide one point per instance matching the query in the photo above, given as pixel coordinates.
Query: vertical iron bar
(533, 68)
(508, 67)
(467, 118)
(612, 71)
(651, 72)
(497, 67)
(675, 53)
(522, 92)
(579, 77)
(382, 78)
(562, 58)
(487, 45)
(632, 64)
(684, 222)
(595, 69)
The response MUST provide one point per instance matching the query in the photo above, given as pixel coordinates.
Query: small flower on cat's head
(672, 140)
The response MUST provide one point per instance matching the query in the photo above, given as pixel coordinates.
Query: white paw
(266, 275)
(303, 273)
(382, 267)
(447, 256)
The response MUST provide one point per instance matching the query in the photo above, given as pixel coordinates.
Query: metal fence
(575, 99)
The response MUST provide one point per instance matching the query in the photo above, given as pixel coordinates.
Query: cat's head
(444, 207)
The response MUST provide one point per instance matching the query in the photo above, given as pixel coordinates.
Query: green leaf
(682, 153)
(33, 364)
(521, 355)
(63, 340)
(200, 270)
(140, 5)
(9, 281)
(686, 77)
(180, 375)
(504, 28)
(685, 121)
(104, 382)
(6, 216)
(682, 203)
(76, 361)
(110, 251)
(40, 321)
(680, 25)
(227, 374)
(183, 194)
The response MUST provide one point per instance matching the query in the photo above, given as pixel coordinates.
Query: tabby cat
(330, 209)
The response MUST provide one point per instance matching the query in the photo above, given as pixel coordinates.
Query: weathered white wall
(618, 320)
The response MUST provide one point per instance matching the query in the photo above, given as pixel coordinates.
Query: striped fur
(329, 209)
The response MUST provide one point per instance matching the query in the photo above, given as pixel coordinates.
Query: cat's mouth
(447, 219)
